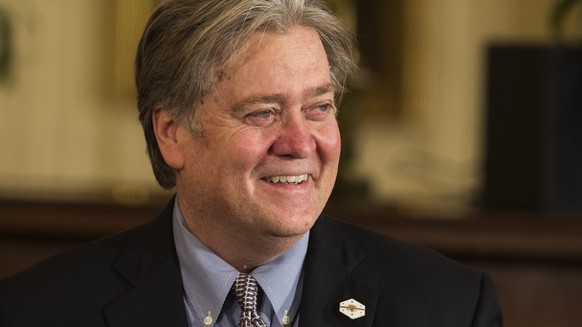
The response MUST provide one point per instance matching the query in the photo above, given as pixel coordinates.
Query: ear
(166, 130)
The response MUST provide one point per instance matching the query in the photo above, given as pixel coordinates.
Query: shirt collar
(207, 279)
(280, 278)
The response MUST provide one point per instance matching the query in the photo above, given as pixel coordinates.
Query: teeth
(287, 179)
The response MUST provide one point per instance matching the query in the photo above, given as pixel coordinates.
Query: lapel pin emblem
(352, 309)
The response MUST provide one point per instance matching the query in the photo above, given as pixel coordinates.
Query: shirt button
(208, 320)
(286, 320)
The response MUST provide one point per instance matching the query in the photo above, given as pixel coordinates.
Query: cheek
(329, 143)
(244, 150)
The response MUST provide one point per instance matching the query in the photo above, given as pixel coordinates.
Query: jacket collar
(149, 266)
(331, 276)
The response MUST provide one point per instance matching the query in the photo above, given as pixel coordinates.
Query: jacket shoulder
(387, 252)
(399, 267)
(82, 279)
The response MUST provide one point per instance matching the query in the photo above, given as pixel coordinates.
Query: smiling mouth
(287, 179)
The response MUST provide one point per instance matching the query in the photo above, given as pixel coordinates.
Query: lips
(293, 179)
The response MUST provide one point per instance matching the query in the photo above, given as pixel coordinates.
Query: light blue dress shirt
(207, 281)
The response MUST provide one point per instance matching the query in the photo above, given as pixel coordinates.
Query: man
(238, 104)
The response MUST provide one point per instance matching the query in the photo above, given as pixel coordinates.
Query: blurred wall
(429, 157)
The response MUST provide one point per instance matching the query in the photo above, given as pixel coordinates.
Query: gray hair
(186, 44)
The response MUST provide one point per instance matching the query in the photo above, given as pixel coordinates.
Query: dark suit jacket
(133, 279)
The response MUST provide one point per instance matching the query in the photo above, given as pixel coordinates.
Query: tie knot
(245, 290)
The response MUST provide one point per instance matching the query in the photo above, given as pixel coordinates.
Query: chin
(292, 227)
(288, 234)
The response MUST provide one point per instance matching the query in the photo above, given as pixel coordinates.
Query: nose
(294, 140)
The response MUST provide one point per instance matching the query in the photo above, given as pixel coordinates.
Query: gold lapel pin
(352, 309)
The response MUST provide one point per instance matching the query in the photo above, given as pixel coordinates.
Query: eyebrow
(282, 99)
(320, 90)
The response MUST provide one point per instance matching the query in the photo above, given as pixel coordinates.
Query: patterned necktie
(245, 289)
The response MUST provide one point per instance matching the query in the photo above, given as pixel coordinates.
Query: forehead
(280, 62)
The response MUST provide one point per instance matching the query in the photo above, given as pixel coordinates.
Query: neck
(244, 249)
(246, 254)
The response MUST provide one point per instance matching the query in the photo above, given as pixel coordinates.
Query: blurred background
(462, 132)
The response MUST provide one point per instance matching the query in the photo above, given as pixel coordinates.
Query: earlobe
(167, 136)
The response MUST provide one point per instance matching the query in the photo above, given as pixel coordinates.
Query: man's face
(267, 158)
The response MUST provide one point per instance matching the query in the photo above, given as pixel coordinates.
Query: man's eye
(261, 117)
(325, 107)
(262, 113)
(320, 111)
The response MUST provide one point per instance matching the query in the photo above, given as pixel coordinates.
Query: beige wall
(64, 131)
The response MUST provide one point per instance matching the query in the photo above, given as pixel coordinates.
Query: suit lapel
(149, 265)
(330, 278)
